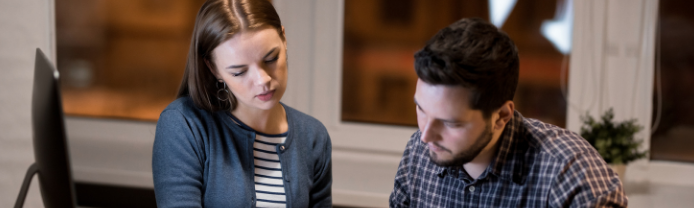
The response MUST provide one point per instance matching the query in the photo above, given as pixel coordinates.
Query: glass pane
(122, 58)
(381, 37)
(674, 117)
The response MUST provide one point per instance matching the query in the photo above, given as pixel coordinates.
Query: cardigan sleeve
(177, 162)
(320, 194)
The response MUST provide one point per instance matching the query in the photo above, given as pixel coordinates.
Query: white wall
(24, 26)
(612, 66)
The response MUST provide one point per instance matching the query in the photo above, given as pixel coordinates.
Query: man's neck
(477, 166)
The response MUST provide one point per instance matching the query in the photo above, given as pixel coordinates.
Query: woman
(227, 141)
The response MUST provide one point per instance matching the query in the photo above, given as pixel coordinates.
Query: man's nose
(429, 132)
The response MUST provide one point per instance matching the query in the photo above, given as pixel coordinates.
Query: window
(673, 116)
(381, 37)
(122, 58)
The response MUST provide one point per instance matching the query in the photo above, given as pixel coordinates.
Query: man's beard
(466, 156)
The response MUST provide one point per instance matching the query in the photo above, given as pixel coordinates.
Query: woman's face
(254, 66)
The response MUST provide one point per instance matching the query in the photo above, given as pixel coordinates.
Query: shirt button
(282, 147)
(472, 189)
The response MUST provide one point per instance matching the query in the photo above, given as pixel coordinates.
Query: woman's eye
(238, 73)
(273, 60)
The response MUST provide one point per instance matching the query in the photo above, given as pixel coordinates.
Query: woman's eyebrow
(235, 66)
(264, 57)
(269, 53)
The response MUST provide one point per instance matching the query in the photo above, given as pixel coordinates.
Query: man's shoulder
(581, 177)
(557, 142)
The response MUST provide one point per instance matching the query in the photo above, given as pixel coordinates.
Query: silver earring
(222, 90)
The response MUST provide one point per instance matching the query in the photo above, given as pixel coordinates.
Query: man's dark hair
(475, 55)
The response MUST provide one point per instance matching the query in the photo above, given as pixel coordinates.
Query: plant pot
(620, 169)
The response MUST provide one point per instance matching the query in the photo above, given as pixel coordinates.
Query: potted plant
(614, 140)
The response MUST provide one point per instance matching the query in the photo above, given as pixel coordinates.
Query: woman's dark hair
(216, 22)
(475, 55)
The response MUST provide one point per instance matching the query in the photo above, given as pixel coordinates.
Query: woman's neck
(272, 121)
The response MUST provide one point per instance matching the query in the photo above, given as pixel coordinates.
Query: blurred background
(381, 37)
(121, 62)
(122, 59)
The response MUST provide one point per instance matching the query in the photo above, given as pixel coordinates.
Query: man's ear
(505, 114)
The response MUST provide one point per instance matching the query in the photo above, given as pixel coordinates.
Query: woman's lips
(266, 95)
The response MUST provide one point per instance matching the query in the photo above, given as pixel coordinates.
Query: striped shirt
(269, 186)
(536, 165)
(268, 176)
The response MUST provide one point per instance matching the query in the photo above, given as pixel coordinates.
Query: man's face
(454, 133)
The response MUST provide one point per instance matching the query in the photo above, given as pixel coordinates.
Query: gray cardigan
(203, 159)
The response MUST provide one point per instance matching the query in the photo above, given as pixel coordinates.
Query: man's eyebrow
(450, 121)
(417, 104)
(445, 120)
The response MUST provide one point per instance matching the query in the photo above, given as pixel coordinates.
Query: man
(473, 149)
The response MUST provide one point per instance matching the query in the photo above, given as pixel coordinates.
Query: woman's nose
(262, 77)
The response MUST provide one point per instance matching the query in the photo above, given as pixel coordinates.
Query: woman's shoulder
(303, 119)
(307, 129)
(185, 107)
(181, 103)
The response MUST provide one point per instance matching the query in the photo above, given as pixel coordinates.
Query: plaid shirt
(537, 165)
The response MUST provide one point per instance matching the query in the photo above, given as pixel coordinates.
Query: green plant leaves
(614, 140)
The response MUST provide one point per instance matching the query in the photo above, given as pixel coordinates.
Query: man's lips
(437, 148)
(267, 95)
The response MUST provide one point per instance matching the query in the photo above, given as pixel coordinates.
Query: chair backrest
(50, 140)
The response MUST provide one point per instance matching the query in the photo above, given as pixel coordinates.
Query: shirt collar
(509, 162)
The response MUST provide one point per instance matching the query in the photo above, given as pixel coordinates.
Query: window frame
(321, 29)
(318, 92)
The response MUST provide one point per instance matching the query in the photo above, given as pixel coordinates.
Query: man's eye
(238, 73)
(452, 125)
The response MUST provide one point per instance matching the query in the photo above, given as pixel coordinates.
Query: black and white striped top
(269, 183)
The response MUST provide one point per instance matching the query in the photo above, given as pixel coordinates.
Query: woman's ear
(505, 114)
(212, 69)
(285, 37)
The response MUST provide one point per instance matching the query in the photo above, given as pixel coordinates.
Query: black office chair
(50, 143)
